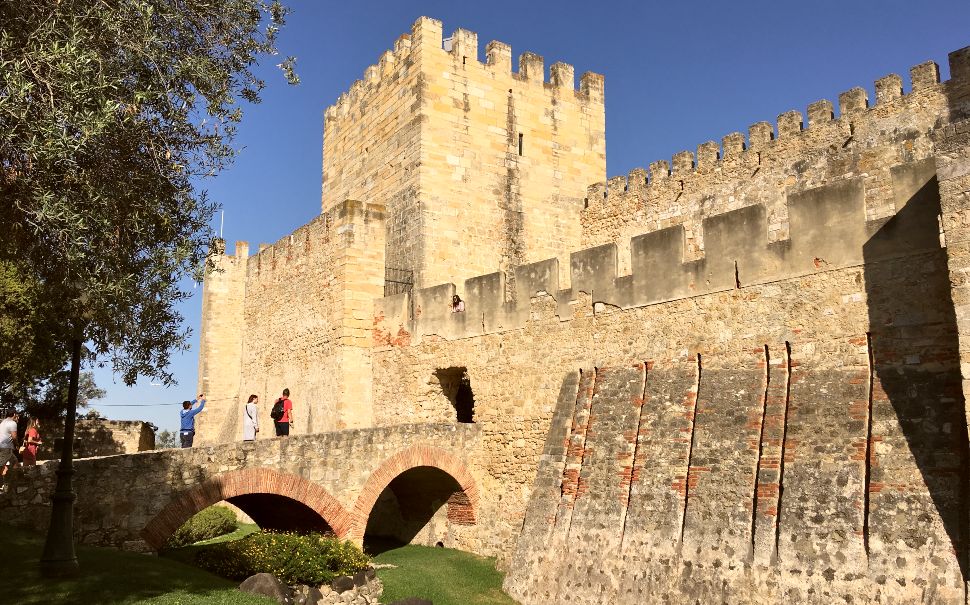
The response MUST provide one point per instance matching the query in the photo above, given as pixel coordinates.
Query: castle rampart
(801, 401)
(793, 155)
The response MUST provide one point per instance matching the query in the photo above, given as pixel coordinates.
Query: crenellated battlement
(764, 139)
(344, 227)
(462, 45)
(799, 151)
(738, 254)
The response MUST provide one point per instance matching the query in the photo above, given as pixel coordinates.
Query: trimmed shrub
(311, 559)
(210, 523)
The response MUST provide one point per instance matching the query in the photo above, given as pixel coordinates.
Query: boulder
(342, 584)
(314, 596)
(266, 584)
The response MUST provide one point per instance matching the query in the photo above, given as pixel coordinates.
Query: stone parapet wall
(99, 438)
(137, 501)
(829, 230)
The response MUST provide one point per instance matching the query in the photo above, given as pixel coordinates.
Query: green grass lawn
(442, 575)
(186, 554)
(110, 577)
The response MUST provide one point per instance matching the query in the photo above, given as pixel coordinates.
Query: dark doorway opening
(410, 504)
(457, 387)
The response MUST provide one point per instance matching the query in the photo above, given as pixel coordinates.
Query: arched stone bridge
(409, 482)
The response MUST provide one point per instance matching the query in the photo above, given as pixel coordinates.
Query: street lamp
(59, 558)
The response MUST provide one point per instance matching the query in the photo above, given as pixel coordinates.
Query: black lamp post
(59, 558)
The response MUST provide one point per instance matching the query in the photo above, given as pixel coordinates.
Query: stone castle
(737, 377)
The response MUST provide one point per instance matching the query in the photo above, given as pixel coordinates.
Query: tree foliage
(165, 440)
(48, 399)
(110, 112)
(32, 334)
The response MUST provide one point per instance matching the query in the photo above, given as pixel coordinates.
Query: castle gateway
(733, 377)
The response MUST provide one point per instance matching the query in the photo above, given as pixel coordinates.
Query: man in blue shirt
(187, 431)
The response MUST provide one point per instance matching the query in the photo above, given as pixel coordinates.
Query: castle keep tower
(436, 165)
(479, 168)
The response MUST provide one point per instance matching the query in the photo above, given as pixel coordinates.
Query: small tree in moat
(109, 114)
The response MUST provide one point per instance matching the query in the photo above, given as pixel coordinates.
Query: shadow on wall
(412, 504)
(914, 356)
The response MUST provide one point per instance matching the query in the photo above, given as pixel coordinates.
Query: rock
(412, 601)
(342, 584)
(266, 584)
(314, 596)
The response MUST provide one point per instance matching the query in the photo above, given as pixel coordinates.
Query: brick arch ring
(462, 505)
(239, 483)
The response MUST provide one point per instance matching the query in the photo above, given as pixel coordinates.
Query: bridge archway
(409, 487)
(266, 495)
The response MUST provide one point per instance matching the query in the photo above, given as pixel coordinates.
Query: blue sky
(677, 74)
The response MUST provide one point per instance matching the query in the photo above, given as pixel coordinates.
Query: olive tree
(111, 112)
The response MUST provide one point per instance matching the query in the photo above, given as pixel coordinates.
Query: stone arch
(243, 483)
(462, 505)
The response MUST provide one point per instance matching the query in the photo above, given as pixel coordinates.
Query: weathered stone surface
(342, 584)
(266, 584)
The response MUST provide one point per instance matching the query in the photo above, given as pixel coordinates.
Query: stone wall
(328, 481)
(98, 438)
(480, 167)
(296, 315)
(864, 142)
(805, 404)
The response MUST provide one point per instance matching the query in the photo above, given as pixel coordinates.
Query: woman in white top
(251, 419)
(457, 304)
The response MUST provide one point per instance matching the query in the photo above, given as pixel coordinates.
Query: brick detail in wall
(238, 483)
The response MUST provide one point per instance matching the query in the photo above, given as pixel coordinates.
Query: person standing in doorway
(283, 414)
(187, 430)
(251, 419)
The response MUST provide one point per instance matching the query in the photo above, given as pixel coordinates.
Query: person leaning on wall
(457, 304)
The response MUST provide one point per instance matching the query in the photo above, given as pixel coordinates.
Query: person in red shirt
(283, 424)
(32, 441)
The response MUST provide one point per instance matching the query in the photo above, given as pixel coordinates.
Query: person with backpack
(282, 414)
